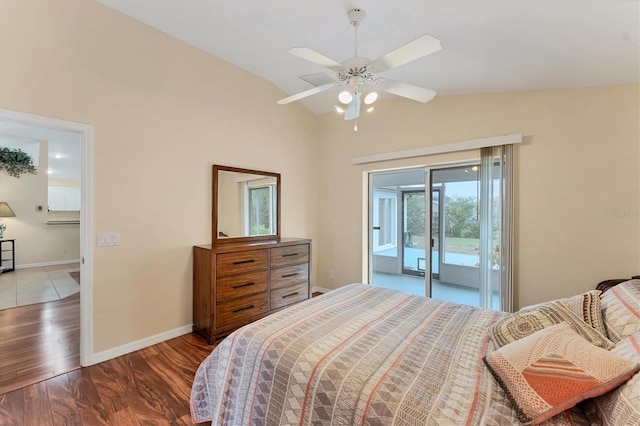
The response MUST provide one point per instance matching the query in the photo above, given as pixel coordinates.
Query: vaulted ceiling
(487, 45)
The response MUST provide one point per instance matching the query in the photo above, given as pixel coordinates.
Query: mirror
(246, 205)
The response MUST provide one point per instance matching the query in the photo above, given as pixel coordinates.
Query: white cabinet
(56, 199)
(72, 199)
(64, 199)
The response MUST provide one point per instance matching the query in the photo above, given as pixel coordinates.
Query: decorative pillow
(621, 309)
(552, 370)
(587, 306)
(621, 406)
(535, 318)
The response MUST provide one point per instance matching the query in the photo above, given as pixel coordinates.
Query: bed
(372, 356)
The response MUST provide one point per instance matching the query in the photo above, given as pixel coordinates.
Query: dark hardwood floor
(148, 387)
(38, 342)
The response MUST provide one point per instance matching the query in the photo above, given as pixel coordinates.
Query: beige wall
(163, 113)
(577, 180)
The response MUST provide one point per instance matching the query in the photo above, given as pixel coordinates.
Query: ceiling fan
(359, 75)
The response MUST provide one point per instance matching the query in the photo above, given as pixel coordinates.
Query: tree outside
(259, 200)
(462, 227)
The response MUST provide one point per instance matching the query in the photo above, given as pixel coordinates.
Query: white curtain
(496, 227)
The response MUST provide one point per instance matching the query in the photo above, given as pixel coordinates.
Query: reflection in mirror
(245, 204)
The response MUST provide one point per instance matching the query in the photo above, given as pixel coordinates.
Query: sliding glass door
(453, 245)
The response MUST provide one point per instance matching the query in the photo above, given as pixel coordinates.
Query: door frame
(401, 229)
(436, 275)
(85, 132)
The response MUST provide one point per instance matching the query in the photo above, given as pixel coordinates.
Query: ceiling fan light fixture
(370, 98)
(345, 97)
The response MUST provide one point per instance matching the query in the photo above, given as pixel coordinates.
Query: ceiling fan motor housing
(356, 72)
(356, 16)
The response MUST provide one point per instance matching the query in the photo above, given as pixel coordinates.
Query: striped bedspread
(359, 355)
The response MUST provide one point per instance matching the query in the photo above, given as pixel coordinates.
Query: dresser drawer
(241, 310)
(289, 255)
(289, 275)
(240, 285)
(289, 295)
(242, 261)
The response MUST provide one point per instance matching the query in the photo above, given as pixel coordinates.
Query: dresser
(237, 283)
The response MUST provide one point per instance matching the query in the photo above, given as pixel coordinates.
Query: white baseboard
(55, 262)
(320, 289)
(137, 345)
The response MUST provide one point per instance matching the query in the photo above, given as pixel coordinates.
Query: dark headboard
(607, 284)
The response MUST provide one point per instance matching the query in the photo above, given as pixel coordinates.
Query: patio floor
(439, 290)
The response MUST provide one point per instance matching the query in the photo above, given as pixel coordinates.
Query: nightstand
(7, 255)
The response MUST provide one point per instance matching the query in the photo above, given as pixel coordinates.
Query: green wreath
(16, 162)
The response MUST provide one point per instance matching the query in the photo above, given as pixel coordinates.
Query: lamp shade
(5, 210)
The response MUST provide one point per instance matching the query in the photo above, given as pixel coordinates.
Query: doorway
(85, 134)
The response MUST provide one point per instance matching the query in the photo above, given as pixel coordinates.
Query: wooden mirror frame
(214, 216)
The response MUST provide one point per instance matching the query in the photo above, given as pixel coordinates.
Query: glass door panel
(396, 239)
(456, 252)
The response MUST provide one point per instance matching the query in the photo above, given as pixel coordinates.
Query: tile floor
(36, 285)
(439, 290)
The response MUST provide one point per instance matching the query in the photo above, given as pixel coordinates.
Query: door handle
(376, 228)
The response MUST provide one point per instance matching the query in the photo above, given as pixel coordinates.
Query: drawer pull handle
(243, 309)
(243, 285)
(291, 254)
(290, 275)
(290, 295)
(240, 262)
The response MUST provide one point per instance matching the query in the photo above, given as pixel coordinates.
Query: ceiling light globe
(370, 98)
(345, 97)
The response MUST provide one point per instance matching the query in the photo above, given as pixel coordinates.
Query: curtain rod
(441, 149)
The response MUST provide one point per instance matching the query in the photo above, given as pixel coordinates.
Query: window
(261, 210)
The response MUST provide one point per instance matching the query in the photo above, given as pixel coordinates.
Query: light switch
(108, 239)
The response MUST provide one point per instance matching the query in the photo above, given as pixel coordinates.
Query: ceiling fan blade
(405, 90)
(353, 109)
(416, 49)
(306, 93)
(316, 58)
